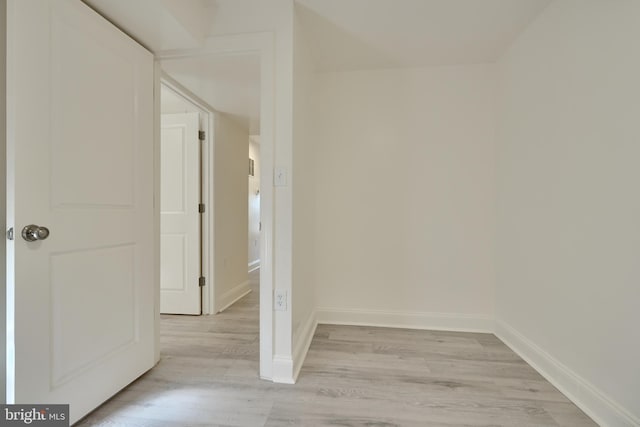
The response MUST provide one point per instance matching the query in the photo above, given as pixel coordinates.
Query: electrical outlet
(280, 177)
(280, 300)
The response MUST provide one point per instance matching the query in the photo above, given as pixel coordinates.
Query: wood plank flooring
(353, 376)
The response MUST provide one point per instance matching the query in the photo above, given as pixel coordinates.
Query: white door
(81, 319)
(180, 218)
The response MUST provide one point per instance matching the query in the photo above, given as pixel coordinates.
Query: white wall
(405, 197)
(254, 205)
(568, 288)
(230, 211)
(304, 193)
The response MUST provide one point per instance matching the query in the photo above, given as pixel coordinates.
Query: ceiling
(161, 24)
(343, 35)
(229, 83)
(367, 34)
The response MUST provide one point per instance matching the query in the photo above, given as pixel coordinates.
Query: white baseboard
(283, 370)
(400, 319)
(303, 342)
(585, 395)
(227, 299)
(254, 265)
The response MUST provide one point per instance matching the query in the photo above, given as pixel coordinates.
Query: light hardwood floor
(353, 376)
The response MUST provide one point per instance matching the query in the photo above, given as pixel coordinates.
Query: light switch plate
(280, 177)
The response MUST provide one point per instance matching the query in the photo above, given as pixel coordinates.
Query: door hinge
(201, 208)
(202, 281)
(202, 135)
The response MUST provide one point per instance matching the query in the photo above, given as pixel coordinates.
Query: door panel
(76, 345)
(80, 162)
(180, 219)
(105, 80)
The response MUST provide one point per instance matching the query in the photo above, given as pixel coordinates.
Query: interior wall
(254, 205)
(3, 198)
(304, 193)
(230, 211)
(568, 205)
(406, 196)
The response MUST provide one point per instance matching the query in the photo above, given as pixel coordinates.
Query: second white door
(180, 218)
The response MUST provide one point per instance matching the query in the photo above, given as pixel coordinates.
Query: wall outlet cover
(280, 300)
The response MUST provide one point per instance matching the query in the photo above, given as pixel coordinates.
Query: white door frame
(263, 45)
(207, 164)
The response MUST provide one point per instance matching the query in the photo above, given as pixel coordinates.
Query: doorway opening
(184, 172)
(254, 226)
(200, 72)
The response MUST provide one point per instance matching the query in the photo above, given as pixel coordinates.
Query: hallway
(353, 376)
